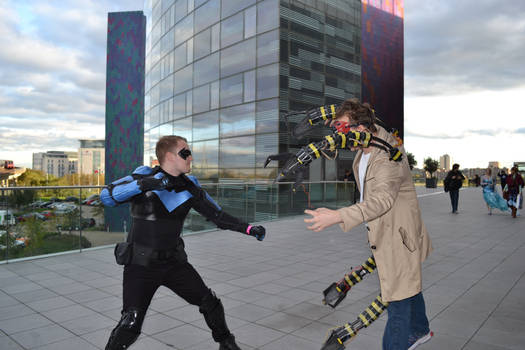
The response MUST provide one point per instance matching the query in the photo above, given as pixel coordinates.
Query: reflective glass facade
(212, 76)
(221, 72)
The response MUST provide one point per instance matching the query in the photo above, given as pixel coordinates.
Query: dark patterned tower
(124, 103)
(382, 59)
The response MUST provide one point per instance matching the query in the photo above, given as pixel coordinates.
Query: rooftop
(473, 286)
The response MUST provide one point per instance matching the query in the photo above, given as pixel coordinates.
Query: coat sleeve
(382, 186)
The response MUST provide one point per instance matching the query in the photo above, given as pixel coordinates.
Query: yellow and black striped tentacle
(357, 275)
(317, 115)
(341, 335)
(336, 292)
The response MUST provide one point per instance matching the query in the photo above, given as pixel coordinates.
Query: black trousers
(141, 283)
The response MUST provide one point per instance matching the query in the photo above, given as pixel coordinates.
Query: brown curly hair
(359, 113)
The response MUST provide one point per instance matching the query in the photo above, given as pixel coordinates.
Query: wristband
(248, 229)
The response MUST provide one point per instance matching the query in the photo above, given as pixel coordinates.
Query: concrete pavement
(473, 285)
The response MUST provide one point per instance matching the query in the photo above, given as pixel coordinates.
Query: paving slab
(473, 286)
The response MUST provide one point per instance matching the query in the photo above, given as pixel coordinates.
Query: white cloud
(473, 128)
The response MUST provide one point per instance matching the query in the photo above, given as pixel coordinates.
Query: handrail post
(4, 198)
(80, 218)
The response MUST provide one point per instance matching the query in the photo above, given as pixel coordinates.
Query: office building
(444, 162)
(91, 157)
(223, 72)
(56, 163)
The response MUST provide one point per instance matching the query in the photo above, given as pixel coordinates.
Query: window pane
(215, 37)
(267, 15)
(250, 22)
(166, 129)
(201, 99)
(231, 90)
(182, 127)
(268, 48)
(232, 30)
(237, 152)
(184, 30)
(267, 116)
(166, 88)
(167, 42)
(181, 9)
(214, 102)
(179, 106)
(180, 57)
(202, 44)
(206, 70)
(265, 145)
(268, 81)
(206, 126)
(183, 79)
(229, 7)
(205, 154)
(249, 86)
(189, 51)
(232, 62)
(207, 15)
(189, 103)
(238, 120)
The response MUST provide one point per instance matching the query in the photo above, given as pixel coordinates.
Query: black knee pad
(213, 311)
(127, 330)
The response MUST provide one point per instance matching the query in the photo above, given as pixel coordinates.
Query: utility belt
(127, 253)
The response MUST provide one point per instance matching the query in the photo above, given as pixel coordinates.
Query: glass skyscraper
(221, 73)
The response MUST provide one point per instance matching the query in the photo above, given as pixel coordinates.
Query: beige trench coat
(397, 236)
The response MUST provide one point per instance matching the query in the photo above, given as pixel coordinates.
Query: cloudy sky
(464, 77)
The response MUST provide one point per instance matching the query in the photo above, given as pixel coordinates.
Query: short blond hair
(166, 144)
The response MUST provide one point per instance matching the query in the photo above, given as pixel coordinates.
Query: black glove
(257, 231)
(153, 183)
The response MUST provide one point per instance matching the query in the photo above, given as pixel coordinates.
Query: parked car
(86, 222)
(48, 213)
(71, 199)
(24, 217)
(90, 199)
(96, 202)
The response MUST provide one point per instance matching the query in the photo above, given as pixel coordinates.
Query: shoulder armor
(194, 180)
(143, 170)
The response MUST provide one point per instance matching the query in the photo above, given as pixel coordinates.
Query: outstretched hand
(259, 232)
(322, 218)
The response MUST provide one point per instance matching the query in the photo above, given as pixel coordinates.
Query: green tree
(32, 178)
(412, 162)
(431, 165)
(33, 229)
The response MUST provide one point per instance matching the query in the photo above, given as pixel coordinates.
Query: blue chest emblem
(172, 199)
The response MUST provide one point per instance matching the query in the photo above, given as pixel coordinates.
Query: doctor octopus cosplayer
(153, 254)
(396, 234)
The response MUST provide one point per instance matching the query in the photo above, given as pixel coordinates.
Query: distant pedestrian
(513, 188)
(477, 180)
(453, 183)
(503, 179)
(490, 195)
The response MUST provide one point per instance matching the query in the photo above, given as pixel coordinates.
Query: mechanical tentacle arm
(338, 336)
(331, 143)
(336, 292)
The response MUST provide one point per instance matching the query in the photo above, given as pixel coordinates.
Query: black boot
(213, 311)
(229, 344)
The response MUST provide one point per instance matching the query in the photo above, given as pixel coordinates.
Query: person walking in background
(491, 197)
(453, 183)
(503, 179)
(513, 189)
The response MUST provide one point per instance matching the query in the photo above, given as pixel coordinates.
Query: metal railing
(43, 221)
